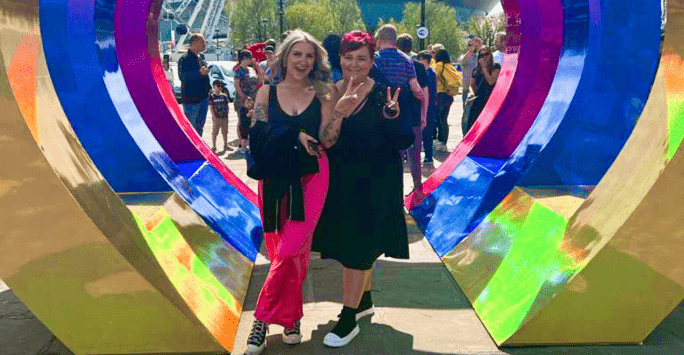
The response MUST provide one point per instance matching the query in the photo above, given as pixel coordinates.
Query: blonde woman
(294, 174)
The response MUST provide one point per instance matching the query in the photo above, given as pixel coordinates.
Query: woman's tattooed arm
(331, 129)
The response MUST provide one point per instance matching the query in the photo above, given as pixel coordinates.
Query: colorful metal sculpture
(118, 219)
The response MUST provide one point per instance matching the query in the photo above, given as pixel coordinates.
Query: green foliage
(487, 27)
(247, 25)
(401, 27)
(440, 20)
(347, 14)
(310, 16)
(318, 17)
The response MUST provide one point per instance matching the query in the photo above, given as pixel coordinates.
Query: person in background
(500, 44)
(194, 75)
(363, 215)
(468, 64)
(247, 80)
(446, 74)
(425, 58)
(168, 72)
(332, 45)
(294, 179)
(418, 112)
(482, 83)
(435, 48)
(219, 103)
(267, 65)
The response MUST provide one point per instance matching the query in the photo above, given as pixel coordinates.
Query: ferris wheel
(199, 16)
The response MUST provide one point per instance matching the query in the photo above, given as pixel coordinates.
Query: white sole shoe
(334, 341)
(368, 312)
(292, 339)
(255, 350)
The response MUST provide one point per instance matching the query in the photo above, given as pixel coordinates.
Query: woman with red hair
(362, 217)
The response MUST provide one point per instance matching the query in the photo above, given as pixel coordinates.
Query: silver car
(219, 71)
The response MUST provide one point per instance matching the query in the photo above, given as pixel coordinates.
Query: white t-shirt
(498, 57)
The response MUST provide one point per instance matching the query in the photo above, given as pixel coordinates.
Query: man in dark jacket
(194, 75)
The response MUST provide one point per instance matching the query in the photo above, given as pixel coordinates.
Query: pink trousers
(280, 301)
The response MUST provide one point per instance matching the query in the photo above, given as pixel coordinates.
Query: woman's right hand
(349, 101)
(310, 144)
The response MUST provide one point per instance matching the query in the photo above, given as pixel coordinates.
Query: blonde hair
(320, 74)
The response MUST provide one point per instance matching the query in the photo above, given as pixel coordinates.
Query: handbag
(470, 99)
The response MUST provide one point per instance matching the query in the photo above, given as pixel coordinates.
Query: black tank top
(309, 120)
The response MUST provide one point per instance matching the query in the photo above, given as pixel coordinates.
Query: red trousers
(281, 301)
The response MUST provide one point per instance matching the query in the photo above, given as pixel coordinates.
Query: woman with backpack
(448, 82)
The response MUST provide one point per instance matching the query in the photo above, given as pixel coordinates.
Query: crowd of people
(329, 127)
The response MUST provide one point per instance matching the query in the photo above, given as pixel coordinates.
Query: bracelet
(389, 113)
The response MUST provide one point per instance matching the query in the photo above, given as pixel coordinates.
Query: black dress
(483, 92)
(363, 215)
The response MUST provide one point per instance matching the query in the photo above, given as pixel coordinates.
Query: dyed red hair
(356, 39)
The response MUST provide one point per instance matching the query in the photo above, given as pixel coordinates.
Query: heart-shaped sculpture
(119, 221)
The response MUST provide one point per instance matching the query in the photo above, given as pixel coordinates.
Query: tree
(319, 17)
(347, 14)
(310, 16)
(401, 26)
(247, 21)
(487, 27)
(440, 20)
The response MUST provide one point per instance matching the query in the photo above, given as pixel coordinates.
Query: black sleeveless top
(309, 120)
(280, 160)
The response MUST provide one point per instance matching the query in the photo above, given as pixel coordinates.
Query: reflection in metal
(547, 257)
(560, 241)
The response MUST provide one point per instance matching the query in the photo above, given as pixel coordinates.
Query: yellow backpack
(451, 79)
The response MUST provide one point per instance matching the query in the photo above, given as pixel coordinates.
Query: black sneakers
(365, 306)
(293, 335)
(257, 338)
(345, 330)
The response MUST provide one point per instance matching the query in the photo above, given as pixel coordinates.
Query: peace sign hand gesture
(391, 109)
(349, 101)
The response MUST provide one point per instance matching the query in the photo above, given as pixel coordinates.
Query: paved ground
(420, 309)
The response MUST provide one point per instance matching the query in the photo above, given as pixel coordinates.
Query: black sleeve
(421, 75)
(273, 149)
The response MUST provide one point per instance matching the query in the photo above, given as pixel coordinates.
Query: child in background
(219, 111)
(243, 125)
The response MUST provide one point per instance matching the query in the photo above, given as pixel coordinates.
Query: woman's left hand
(310, 144)
(392, 104)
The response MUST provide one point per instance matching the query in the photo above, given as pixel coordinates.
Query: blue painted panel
(190, 168)
(445, 215)
(604, 111)
(71, 61)
(243, 225)
(491, 164)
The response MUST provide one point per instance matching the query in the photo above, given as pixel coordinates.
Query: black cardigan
(280, 161)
